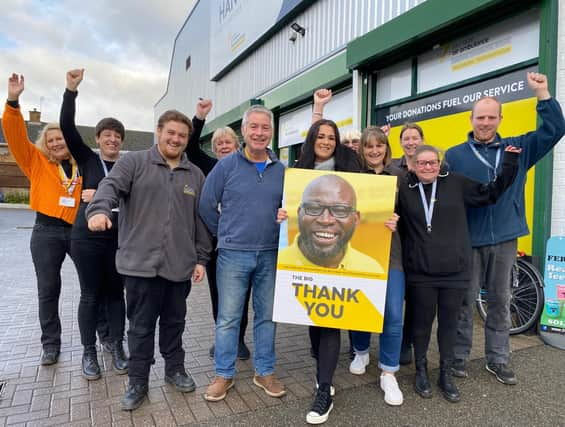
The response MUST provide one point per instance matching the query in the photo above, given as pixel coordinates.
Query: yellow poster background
(519, 117)
(374, 202)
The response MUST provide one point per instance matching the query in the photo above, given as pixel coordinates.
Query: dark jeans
(147, 300)
(325, 344)
(100, 286)
(211, 273)
(426, 301)
(49, 244)
(492, 267)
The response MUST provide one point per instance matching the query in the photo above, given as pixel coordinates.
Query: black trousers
(149, 299)
(426, 301)
(407, 325)
(101, 288)
(212, 284)
(325, 344)
(49, 245)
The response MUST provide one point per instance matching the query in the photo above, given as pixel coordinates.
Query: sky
(125, 47)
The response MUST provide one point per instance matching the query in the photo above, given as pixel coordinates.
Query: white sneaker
(359, 364)
(393, 395)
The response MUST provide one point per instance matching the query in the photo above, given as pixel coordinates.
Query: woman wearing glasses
(436, 252)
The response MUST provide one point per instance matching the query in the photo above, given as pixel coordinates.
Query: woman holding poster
(375, 154)
(436, 251)
(322, 151)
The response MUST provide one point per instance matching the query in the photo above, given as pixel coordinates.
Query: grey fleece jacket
(160, 232)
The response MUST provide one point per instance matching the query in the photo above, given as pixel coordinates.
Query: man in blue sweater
(239, 204)
(495, 229)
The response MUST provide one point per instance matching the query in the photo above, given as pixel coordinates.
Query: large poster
(445, 119)
(334, 249)
(237, 24)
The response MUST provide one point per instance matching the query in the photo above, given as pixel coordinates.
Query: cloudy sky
(125, 46)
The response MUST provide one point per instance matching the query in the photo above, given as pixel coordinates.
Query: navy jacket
(506, 220)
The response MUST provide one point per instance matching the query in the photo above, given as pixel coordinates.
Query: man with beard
(327, 218)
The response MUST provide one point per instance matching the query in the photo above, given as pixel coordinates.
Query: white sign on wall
(237, 24)
(293, 126)
(506, 43)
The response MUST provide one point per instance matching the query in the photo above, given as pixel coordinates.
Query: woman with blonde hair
(55, 195)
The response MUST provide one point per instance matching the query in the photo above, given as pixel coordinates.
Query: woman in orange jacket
(55, 196)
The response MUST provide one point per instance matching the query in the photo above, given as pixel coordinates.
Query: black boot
(134, 396)
(422, 385)
(119, 358)
(90, 366)
(445, 382)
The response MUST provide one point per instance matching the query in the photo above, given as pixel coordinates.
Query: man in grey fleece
(163, 246)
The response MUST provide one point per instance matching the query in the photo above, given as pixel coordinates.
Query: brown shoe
(271, 384)
(218, 389)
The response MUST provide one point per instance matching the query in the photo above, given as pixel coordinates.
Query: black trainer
(119, 358)
(502, 372)
(134, 396)
(321, 407)
(90, 367)
(243, 352)
(459, 368)
(49, 357)
(182, 382)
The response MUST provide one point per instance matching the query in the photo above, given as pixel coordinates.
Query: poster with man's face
(334, 249)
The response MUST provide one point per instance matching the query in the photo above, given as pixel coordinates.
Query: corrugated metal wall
(329, 24)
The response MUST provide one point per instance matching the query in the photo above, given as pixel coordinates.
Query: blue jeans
(391, 338)
(235, 270)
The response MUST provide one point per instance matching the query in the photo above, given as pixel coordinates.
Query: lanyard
(428, 210)
(69, 183)
(485, 161)
(104, 167)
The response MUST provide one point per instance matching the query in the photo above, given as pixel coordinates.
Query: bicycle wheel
(526, 301)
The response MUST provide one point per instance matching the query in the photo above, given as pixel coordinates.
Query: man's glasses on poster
(337, 211)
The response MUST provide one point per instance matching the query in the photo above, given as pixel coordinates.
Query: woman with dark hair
(322, 151)
(94, 253)
(375, 155)
(54, 195)
(436, 250)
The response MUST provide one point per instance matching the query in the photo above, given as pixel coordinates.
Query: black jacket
(443, 256)
(195, 153)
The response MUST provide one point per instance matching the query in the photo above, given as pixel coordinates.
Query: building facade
(387, 62)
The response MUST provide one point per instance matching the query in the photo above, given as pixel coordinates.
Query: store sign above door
(237, 27)
(507, 88)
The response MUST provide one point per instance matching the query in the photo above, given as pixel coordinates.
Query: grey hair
(257, 109)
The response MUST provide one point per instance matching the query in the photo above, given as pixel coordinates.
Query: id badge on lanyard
(69, 184)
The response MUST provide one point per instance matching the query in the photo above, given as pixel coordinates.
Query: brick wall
(558, 209)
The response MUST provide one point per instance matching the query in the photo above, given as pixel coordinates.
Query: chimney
(35, 116)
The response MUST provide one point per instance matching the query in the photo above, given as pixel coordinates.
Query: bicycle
(527, 299)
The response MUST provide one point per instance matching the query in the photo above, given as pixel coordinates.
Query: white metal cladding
(330, 25)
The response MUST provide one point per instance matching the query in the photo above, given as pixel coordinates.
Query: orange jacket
(46, 186)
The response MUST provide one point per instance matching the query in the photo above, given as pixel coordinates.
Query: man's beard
(318, 254)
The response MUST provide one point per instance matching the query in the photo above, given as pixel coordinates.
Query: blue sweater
(506, 219)
(239, 205)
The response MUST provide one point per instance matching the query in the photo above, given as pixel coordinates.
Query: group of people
(181, 212)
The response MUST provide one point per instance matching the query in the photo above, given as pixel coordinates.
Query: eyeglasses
(424, 163)
(337, 211)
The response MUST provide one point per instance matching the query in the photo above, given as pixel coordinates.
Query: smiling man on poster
(327, 219)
